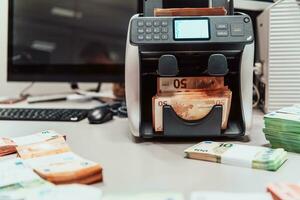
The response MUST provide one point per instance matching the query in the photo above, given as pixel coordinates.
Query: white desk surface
(156, 166)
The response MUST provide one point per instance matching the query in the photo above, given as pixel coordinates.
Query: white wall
(11, 89)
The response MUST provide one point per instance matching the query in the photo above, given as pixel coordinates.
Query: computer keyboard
(33, 114)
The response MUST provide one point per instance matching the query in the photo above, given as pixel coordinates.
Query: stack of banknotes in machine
(239, 155)
(53, 160)
(8, 145)
(284, 191)
(282, 128)
(192, 98)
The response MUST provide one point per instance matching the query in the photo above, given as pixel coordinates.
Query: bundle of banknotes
(284, 191)
(189, 11)
(239, 155)
(8, 145)
(53, 160)
(17, 178)
(282, 128)
(192, 98)
(18, 181)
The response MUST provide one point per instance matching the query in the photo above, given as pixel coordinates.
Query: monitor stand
(76, 94)
(75, 86)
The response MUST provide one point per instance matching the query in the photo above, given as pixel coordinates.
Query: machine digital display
(191, 29)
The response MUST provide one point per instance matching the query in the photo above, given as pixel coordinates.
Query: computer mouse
(100, 115)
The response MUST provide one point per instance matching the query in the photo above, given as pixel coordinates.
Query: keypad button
(148, 37)
(156, 37)
(140, 30)
(141, 37)
(156, 30)
(221, 26)
(148, 23)
(164, 36)
(156, 23)
(164, 30)
(148, 30)
(164, 23)
(140, 23)
(222, 34)
(237, 29)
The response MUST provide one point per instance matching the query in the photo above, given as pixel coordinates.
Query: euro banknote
(188, 84)
(61, 192)
(46, 148)
(190, 11)
(282, 128)
(66, 168)
(8, 145)
(14, 172)
(284, 191)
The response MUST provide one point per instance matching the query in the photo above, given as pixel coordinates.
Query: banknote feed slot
(209, 126)
(190, 64)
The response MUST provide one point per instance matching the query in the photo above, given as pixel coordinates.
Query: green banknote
(282, 128)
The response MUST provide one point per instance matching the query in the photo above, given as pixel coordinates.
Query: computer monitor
(68, 40)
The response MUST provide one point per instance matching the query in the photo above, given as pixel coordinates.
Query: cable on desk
(23, 92)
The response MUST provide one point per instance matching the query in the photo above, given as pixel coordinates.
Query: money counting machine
(184, 46)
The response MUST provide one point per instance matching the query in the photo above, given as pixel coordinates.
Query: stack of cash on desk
(238, 155)
(19, 182)
(48, 154)
(282, 128)
(54, 161)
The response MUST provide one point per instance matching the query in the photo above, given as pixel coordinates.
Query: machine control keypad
(156, 30)
(153, 30)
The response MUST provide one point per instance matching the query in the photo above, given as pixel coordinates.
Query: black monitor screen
(68, 40)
